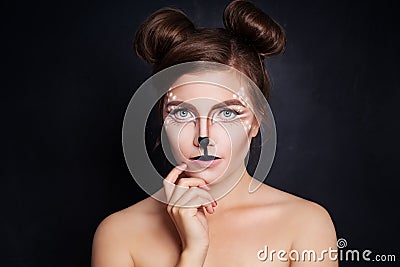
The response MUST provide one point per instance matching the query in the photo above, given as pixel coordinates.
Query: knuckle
(184, 181)
(168, 184)
(195, 190)
(184, 211)
(175, 210)
(169, 208)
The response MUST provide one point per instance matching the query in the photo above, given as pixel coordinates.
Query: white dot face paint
(211, 89)
(205, 110)
(170, 96)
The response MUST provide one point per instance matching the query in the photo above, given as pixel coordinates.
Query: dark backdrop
(69, 71)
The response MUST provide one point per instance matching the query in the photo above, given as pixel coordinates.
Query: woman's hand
(187, 202)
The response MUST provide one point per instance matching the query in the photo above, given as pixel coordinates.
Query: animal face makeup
(209, 128)
(211, 112)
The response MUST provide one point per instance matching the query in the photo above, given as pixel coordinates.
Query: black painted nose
(203, 141)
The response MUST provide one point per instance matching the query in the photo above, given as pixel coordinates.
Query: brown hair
(167, 37)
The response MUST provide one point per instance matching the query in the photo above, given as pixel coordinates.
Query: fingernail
(211, 210)
(214, 203)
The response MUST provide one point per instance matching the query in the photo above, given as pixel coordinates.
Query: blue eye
(227, 115)
(182, 114)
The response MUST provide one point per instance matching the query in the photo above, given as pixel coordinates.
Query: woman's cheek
(239, 141)
(180, 139)
(186, 136)
(222, 139)
(172, 132)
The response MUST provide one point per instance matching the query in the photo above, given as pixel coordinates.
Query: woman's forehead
(226, 78)
(192, 91)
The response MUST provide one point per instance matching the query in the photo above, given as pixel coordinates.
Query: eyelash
(236, 113)
(174, 111)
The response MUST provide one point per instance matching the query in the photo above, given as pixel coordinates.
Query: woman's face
(204, 110)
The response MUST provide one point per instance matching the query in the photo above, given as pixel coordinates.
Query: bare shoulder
(309, 225)
(306, 219)
(116, 236)
(299, 209)
(132, 220)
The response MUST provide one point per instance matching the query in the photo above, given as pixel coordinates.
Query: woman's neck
(233, 191)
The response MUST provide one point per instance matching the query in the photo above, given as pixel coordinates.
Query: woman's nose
(203, 126)
(203, 141)
(202, 132)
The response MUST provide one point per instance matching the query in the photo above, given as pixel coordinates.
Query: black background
(69, 71)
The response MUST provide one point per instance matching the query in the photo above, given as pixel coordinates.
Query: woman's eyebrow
(230, 102)
(180, 103)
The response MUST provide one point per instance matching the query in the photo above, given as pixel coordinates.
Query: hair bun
(161, 31)
(251, 24)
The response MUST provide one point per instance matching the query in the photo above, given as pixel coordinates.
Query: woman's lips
(205, 161)
(205, 157)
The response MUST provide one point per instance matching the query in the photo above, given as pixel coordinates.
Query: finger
(169, 181)
(174, 173)
(182, 186)
(170, 210)
(189, 209)
(196, 196)
(195, 203)
(192, 182)
(176, 191)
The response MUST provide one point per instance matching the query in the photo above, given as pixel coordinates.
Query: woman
(206, 216)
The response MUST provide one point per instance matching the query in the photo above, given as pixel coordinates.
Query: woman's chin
(209, 175)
